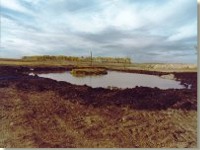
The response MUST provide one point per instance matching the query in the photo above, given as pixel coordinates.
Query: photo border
(198, 105)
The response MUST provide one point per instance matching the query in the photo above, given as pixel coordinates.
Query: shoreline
(41, 112)
(21, 77)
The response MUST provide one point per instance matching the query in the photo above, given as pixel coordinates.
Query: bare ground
(38, 112)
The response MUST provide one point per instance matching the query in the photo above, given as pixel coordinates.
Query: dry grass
(45, 119)
(88, 71)
(121, 66)
(32, 119)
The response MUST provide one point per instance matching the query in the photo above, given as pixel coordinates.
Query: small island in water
(88, 71)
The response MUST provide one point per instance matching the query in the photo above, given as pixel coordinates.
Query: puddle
(115, 79)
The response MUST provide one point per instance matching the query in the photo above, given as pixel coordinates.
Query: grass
(122, 66)
(88, 71)
(47, 120)
(32, 118)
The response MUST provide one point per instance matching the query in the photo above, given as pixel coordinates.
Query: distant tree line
(78, 59)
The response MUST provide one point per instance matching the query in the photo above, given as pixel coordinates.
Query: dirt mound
(171, 66)
(39, 112)
(88, 71)
(137, 98)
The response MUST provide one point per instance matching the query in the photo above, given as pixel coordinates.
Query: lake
(116, 79)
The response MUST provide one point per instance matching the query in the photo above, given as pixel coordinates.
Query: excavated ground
(39, 112)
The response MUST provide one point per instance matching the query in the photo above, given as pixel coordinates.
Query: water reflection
(116, 79)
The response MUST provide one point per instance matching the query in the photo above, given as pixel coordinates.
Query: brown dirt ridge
(40, 112)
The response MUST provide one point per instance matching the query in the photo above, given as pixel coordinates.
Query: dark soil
(43, 113)
(137, 98)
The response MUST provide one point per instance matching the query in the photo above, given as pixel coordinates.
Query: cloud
(146, 30)
(14, 5)
(185, 32)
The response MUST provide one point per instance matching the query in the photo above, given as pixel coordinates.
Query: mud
(44, 113)
(137, 98)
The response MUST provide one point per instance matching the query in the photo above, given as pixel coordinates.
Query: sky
(163, 31)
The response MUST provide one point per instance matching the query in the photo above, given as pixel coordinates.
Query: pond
(116, 79)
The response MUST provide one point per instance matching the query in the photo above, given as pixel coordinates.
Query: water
(117, 79)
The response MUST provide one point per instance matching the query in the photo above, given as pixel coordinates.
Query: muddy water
(117, 79)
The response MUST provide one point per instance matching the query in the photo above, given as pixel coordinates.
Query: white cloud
(184, 32)
(33, 2)
(122, 16)
(14, 5)
(59, 26)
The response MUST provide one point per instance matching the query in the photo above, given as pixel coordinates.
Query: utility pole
(91, 57)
